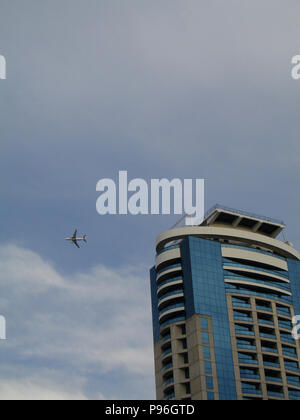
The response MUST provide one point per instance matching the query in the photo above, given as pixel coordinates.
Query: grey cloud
(97, 321)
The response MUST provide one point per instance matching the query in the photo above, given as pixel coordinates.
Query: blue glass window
(208, 368)
(209, 382)
(210, 396)
(206, 353)
(204, 324)
(205, 338)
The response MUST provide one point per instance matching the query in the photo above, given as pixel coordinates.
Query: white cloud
(28, 390)
(97, 322)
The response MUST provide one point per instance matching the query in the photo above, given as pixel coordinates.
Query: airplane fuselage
(77, 239)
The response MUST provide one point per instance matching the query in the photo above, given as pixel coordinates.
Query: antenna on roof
(181, 220)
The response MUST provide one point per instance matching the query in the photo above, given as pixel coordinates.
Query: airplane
(75, 240)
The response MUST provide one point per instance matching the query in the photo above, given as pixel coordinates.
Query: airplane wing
(75, 243)
(75, 235)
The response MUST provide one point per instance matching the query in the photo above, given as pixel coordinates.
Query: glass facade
(205, 294)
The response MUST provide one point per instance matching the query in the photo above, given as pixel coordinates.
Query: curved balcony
(166, 353)
(169, 285)
(167, 257)
(167, 367)
(168, 273)
(168, 382)
(258, 280)
(252, 290)
(254, 259)
(170, 297)
(166, 338)
(258, 284)
(173, 320)
(172, 310)
(170, 395)
(248, 238)
(168, 248)
(252, 272)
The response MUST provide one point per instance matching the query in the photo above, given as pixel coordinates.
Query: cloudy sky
(160, 88)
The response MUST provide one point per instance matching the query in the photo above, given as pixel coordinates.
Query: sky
(163, 89)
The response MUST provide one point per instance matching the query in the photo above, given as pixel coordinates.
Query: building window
(209, 382)
(208, 368)
(206, 352)
(210, 396)
(205, 338)
(204, 324)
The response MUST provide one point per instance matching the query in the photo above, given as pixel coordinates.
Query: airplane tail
(85, 238)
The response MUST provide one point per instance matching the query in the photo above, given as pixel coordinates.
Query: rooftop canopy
(240, 219)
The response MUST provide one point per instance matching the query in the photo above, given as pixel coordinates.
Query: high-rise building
(224, 295)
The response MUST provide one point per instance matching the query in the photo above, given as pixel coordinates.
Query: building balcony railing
(249, 376)
(229, 263)
(244, 332)
(292, 367)
(169, 248)
(166, 338)
(170, 294)
(241, 305)
(248, 362)
(246, 346)
(276, 394)
(171, 321)
(170, 396)
(273, 379)
(167, 367)
(269, 350)
(166, 352)
(170, 307)
(287, 339)
(168, 382)
(252, 391)
(285, 324)
(269, 336)
(258, 293)
(264, 308)
(272, 364)
(292, 381)
(166, 282)
(243, 318)
(285, 312)
(265, 321)
(169, 267)
(291, 353)
(293, 396)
